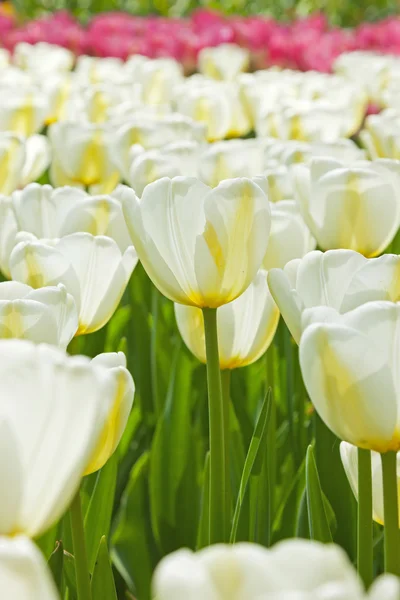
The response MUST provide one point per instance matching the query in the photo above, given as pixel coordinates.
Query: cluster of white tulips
(104, 164)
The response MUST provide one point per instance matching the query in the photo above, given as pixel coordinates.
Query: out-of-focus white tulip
(82, 156)
(246, 326)
(53, 409)
(23, 110)
(289, 238)
(349, 456)
(90, 69)
(310, 121)
(381, 135)
(12, 162)
(92, 268)
(158, 78)
(289, 152)
(42, 58)
(45, 315)
(354, 207)
(179, 158)
(199, 246)
(37, 158)
(223, 62)
(230, 159)
(249, 571)
(349, 366)
(111, 435)
(24, 574)
(339, 279)
(218, 105)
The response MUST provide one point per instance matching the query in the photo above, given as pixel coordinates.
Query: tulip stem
(365, 522)
(79, 544)
(217, 509)
(391, 513)
(226, 396)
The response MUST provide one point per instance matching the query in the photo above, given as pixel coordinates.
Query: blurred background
(344, 13)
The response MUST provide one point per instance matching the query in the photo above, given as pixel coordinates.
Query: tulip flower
(158, 79)
(117, 419)
(281, 572)
(230, 159)
(349, 456)
(23, 110)
(53, 409)
(90, 69)
(46, 315)
(12, 161)
(24, 571)
(199, 246)
(131, 138)
(92, 268)
(37, 160)
(42, 58)
(82, 156)
(289, 238)
(354, 207)
(246, 326)
(290, 152)
(381, 135)
(172, 160)
(223, 62)
(338, 279)
(217, 105)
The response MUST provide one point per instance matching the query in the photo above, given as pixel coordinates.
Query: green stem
(391, 513)
(226, 397)
(218, 525)
(365, 539)
(79, 543)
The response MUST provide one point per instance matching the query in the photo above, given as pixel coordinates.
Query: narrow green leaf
(133, 546)
(99, 512)
(47, 541)
(56, 563)
(336, 486)
(103, 586)
(69, 575)
(254, 460)
(317, 517)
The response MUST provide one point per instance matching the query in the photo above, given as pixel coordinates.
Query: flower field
(199, 308)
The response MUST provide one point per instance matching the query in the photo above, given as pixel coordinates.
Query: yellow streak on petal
(22, 120)
(6, 166)
(34, 275)
(12, 323)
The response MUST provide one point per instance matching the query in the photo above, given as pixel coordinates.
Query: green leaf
(103, 586)
(99, 512)
(47, 541)
(56, 563)
(116, 328)
(317, 517)
(336, 486)
(174, 488)
(254, 460)
(133, 546)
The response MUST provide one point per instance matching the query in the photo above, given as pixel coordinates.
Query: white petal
(37, 158)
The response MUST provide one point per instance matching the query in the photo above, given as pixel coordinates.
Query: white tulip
(150, 133)
(381, 135)
(246, 326)
(42, 58)
(90, 69)
(48, 212)
(223, 62)
(4, 58)
(23, 110)
(289, 238)
(180, 158)
(199, 246)
(9, 231)
(349, 367)
(24, 574)
(46, 315)
(356, 208)
(117, 419)
(12, 162)
(52, 411)
(92, 268)
(339, 279)
(250, 572)
(230, 159)
(82, 156)
(158, 78)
